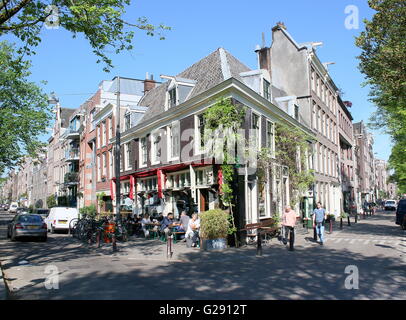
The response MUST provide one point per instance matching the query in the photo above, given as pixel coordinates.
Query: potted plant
(213, 229)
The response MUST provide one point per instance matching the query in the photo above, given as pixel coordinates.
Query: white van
(13, 207)
(59, 218)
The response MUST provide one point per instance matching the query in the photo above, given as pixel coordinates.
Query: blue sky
(198, 28)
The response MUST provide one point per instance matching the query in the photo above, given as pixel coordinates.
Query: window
(270, 141)
(174, 140)
(98, 132)
(127, 150)
(172, 98)
(121, 163)
(111, 164)
(99, 174)
(156, 150)
(266, 89)
(314, 116)
(297, 112)
(313, 79)
(104, 138)
(127, 121)
(319, 119)
(110, 127)
(328, 127)
(104, 164)
(144, 151)
(255, 127)
(200, 130)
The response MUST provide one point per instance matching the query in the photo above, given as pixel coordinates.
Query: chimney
(264, 58)
(149, 83)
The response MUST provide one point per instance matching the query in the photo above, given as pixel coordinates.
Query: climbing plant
(291, 150)
(221, 122)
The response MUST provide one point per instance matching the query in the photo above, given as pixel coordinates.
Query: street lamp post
(117, 157)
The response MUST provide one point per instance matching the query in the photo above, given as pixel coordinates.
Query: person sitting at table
(144, 222)
(166, 224)
(193, 229)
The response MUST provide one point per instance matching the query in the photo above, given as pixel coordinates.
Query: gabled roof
(213, 69)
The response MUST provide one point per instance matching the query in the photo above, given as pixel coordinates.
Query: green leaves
(383, 61)
(214, 224)
(24, 111)
(100, 21)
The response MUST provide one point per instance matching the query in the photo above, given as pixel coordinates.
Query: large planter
(213, 244)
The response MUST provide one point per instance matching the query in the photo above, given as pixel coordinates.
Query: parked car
(390, 205)
(42, 212)
(59, 218)
(13, 207)
(401, 214)
(27, 225)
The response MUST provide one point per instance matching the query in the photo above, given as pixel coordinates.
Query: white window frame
(169, 140)
(111, 168)
(110, 127)
(98, 168)
(259, 127)
(140, 151)
(273, 153)
(127, 162)
(197, 138)
(104, 133)
(153, 134)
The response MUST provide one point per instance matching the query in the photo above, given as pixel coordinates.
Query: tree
(24, 111)
(383, 61)
(100, 21)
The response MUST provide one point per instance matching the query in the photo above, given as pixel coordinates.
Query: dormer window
(266, 89)
(172, 97)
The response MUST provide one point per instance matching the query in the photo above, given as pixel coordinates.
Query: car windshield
(30, 219)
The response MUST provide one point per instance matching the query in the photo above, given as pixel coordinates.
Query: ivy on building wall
(291, 150)
(223, 119)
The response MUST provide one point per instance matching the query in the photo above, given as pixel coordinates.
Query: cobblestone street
(140, 270)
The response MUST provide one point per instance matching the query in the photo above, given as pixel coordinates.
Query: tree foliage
(383, 61)
(100, 21)
(24, 112)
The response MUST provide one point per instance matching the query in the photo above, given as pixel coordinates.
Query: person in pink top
(288, 225)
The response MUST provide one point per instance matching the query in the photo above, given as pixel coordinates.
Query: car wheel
(52, 229)
(13, 237)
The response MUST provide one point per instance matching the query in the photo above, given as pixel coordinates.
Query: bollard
(259, 244)
(114, 243)
(348, 218)
(331, 226)
(98, 239)
(341, 223)
(356, 217)
(291, 238)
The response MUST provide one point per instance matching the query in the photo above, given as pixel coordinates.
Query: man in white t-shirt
(193, 229)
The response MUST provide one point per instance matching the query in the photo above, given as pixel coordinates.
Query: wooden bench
(266, 226)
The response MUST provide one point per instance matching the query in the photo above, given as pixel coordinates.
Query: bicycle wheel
(72, 226)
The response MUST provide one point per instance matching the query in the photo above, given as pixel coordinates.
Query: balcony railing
(71, 178)
(72, 133)
(72, 154)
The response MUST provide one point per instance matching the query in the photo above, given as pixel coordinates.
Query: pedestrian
(166, 225)
(319, 217)
(193, 229)
(288, 226)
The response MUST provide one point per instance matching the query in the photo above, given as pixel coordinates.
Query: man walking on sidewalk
(288, 225)
(319, 216)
